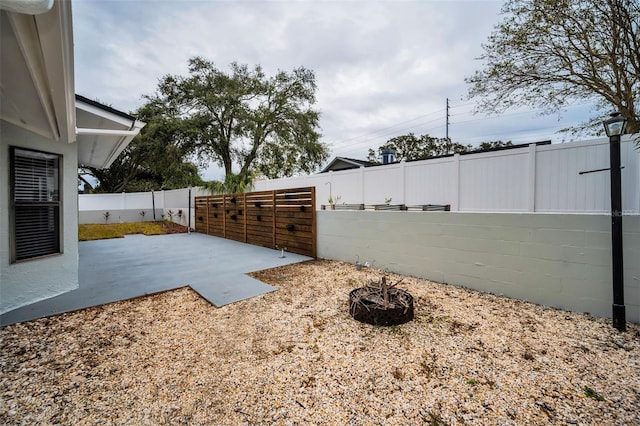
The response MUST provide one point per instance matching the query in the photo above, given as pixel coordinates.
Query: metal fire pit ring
(370, 312)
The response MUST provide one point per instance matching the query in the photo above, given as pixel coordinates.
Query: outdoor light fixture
(615, 127)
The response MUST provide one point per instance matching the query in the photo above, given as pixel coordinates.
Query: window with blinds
(35, 202)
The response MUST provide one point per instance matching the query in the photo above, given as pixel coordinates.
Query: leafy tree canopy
(551, 53)
(266, 125)
(233, 184)
(412, 147)
(153, 160)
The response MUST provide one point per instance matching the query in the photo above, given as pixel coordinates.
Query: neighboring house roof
(38, 86)
(344, 163)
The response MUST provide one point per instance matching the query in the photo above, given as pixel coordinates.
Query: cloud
(378, 64)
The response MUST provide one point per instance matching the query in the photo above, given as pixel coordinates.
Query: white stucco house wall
(46, 131)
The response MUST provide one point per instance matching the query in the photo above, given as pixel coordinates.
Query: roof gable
(344, 163)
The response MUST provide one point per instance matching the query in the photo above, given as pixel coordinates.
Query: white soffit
(27, 7)
(102, 133)
(36, 77)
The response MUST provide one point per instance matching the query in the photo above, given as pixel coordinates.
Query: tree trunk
(633, 126)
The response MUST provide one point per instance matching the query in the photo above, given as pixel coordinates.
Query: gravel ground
(295, 356)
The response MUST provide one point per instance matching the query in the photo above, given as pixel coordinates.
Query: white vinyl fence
(128, 207)
(558, 178)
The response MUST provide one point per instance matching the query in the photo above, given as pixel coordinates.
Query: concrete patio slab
(137, 265)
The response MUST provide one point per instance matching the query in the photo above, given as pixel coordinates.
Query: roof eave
(110, 128)
(56, 29)
(123, 143)
(46, 43)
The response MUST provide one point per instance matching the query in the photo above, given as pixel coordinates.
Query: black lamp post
(615, 127)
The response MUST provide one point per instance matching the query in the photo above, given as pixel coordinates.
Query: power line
(392, 126)
(411, 129)
(566, 108)
(395, 129)
(462, 105)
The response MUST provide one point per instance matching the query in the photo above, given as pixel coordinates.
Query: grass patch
(590, 393)
(89, 232)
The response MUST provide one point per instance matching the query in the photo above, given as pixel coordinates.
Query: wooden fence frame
(280, 219)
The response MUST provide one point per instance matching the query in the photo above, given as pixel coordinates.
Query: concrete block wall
(557, 260)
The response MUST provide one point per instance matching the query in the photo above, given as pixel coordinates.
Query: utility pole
(447, 136)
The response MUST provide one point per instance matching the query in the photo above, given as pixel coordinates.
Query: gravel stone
(296, 357)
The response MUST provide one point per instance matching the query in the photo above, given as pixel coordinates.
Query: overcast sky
(383, 68)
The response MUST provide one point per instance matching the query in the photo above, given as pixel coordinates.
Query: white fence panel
(127, 207)
(381, 183)
(137, 200)
(534, 179)
(431, 182)
(99, 201)
(294, 182)
(559, 184)
(346, 185)
(563, 185)
(324, 188)
(120, 201)
(630, 158)
(176, 198)
(495, 181)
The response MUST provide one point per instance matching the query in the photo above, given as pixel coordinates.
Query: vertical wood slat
(292, 226)
(224, 216)
(273, 226)
(314, 235)
(207, 204)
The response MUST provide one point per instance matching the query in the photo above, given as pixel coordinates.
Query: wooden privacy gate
(280, 219)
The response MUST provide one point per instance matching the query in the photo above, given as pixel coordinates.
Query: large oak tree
(551, 53)
(264, 125)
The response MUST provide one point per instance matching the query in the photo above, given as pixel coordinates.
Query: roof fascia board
(56, 38)
(105, 132)
(124, 142)
(26, 33)
(80, 98)
(101, 112)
